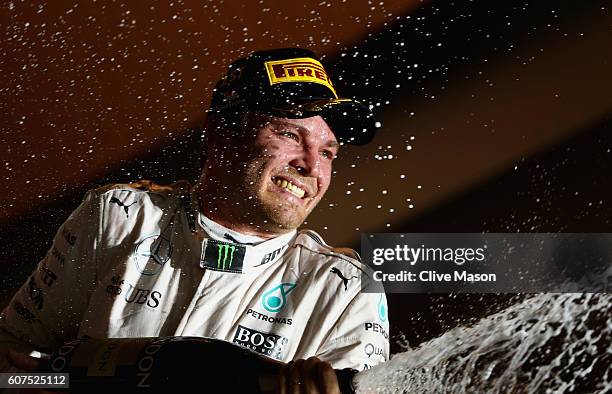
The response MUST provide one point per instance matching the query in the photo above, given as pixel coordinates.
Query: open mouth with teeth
(288, 186)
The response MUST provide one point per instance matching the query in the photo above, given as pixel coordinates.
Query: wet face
(286, 170)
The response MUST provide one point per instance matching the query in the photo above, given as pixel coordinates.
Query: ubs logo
(140, 296)
(151, 254)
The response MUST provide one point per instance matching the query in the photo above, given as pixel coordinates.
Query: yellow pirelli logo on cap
(301, 69)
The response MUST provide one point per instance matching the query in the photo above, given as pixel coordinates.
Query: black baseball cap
(292, 83)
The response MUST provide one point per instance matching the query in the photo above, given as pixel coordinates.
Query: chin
(279, 211)
(287, 222)
(283, 217)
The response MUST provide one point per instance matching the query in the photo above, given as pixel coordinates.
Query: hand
(22, 361)
(311, 376)
(26, 364)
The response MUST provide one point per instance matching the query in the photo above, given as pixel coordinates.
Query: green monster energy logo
(223, 253)
(223, 256)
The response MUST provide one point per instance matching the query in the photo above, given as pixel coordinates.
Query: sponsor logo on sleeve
(378, 328)
(48, 276)
(68, 236)
(382, 309)
(151, 254)
(115, 287)
(223, 256)
(24, 312)
(122, 204)
(302, 69)
(59, 257)
(371, 350)
(271, 345)
(344, 279)
(36, 293)
(275, 298)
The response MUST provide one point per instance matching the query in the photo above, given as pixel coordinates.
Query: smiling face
(280, 172)
(292, 170)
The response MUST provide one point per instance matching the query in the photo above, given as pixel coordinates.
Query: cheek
(267, 150)
(325, 176)
(266, 160)
(275, 155)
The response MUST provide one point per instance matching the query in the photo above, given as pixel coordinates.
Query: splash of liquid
(549, 343)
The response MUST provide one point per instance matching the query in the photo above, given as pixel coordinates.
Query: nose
(306, 162)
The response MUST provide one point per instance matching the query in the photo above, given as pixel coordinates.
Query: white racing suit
(140, 260)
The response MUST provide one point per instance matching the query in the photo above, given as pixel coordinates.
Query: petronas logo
(225, 255)
(382, 309)
(275, 299)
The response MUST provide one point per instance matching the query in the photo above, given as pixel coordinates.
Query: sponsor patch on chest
(271, 345)
(222, 256)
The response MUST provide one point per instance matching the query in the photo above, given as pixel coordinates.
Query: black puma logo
(345, 280)
(117, 201)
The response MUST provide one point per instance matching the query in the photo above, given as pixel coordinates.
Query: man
(223, 259)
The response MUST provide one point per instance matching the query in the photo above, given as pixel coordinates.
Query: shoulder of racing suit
(343, 262)
(127, 209)
(131, 200)
(125, 195)
(148, 186)
(161, 201)
(341, 257)
(315, 241)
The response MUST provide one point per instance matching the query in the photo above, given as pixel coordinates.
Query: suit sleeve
(360, 337)
(47, 310)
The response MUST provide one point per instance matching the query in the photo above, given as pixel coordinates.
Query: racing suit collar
(222, 233)
(254, 251)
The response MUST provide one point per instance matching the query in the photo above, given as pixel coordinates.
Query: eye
(289, 134)
(328, 154)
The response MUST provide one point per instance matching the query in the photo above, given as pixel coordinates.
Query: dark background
(496, 117)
